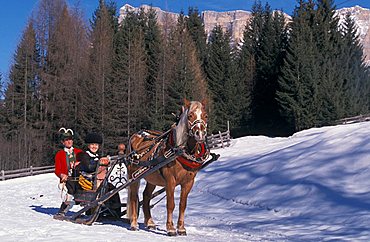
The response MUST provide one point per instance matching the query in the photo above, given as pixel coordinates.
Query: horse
(189, 134)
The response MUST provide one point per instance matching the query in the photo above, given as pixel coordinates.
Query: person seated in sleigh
(93, 170)
(66, 168)
(92, 167)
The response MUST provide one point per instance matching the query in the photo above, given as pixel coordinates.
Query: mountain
(235, 21)
(361, 17)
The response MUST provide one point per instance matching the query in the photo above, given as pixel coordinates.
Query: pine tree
(356, 79)
(268, 36)
(298, 88)
(221, 80)
(195, 27)
(327, 38)
(187, 80)
(132, 59)
(166, 74)
(153, 40)
(21, 103)
(248, 61)
(321, 69)
(96, 113)
(46, 17)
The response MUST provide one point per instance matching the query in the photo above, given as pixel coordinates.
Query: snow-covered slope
(312, 186)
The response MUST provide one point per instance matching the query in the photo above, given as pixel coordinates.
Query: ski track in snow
(312, 186)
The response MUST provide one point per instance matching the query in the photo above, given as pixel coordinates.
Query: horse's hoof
(150, 224)
(171, 233)
(151, 227)
(181, 232)
(134, 228)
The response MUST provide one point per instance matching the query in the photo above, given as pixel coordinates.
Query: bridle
(192, 125)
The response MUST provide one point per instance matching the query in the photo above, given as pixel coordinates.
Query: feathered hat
(65, 133)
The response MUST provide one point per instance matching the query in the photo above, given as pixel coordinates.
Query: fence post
(212, 141)
(2, 175)
(222, 140)
(31, 170)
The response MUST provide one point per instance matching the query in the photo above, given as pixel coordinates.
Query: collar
(68, 150)
(92, 155)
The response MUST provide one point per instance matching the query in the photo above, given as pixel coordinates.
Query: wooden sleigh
(104, 201)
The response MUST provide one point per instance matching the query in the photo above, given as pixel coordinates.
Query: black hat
(65, 133)
(93, 138)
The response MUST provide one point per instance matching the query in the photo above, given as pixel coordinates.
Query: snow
(312, 186)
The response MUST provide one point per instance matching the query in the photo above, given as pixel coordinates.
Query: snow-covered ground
(312, 186)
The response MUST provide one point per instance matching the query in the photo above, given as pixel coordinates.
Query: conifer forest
(116, 78)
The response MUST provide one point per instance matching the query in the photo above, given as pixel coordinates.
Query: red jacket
(61, 161)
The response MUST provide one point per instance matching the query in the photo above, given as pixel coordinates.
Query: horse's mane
(181, 129)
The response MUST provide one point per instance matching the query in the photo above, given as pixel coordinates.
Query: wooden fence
(220, 140)
(356, 119)
(30, 171)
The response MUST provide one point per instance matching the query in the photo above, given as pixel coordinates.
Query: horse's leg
(132, 203)
(170, 193)
(185, 189)
(147, 196)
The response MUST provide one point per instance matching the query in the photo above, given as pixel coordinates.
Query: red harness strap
(198, 154)
(188, 163)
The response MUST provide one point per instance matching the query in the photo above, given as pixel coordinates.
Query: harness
(189, 159)
(194, 161)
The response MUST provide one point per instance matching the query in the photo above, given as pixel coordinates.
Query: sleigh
(104, 202)
(168, 159)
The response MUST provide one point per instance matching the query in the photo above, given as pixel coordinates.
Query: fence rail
(220, 140)
(30, 171)
(356, 119)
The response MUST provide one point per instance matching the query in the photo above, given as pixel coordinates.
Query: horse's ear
(186, 103)
(204, 102)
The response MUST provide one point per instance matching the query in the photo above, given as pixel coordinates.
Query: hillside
(312, 186)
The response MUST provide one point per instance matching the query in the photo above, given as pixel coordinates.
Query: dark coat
(88, 161)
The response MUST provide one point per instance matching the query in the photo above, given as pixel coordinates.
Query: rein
(146, 149)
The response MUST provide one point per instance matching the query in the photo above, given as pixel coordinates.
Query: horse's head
(197, 120)
(192, 123)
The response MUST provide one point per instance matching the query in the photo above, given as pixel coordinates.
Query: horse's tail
(130, 190)
(132, 194)
(128, 207)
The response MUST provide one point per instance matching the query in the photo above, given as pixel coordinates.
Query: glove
(104, 161)
(85, 183)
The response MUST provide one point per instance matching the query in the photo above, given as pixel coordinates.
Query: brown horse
(190, 134)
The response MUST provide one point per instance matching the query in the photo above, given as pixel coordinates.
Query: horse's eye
(191, 115)
(206, 116)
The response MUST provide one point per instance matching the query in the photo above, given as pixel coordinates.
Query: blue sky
(15, 13)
